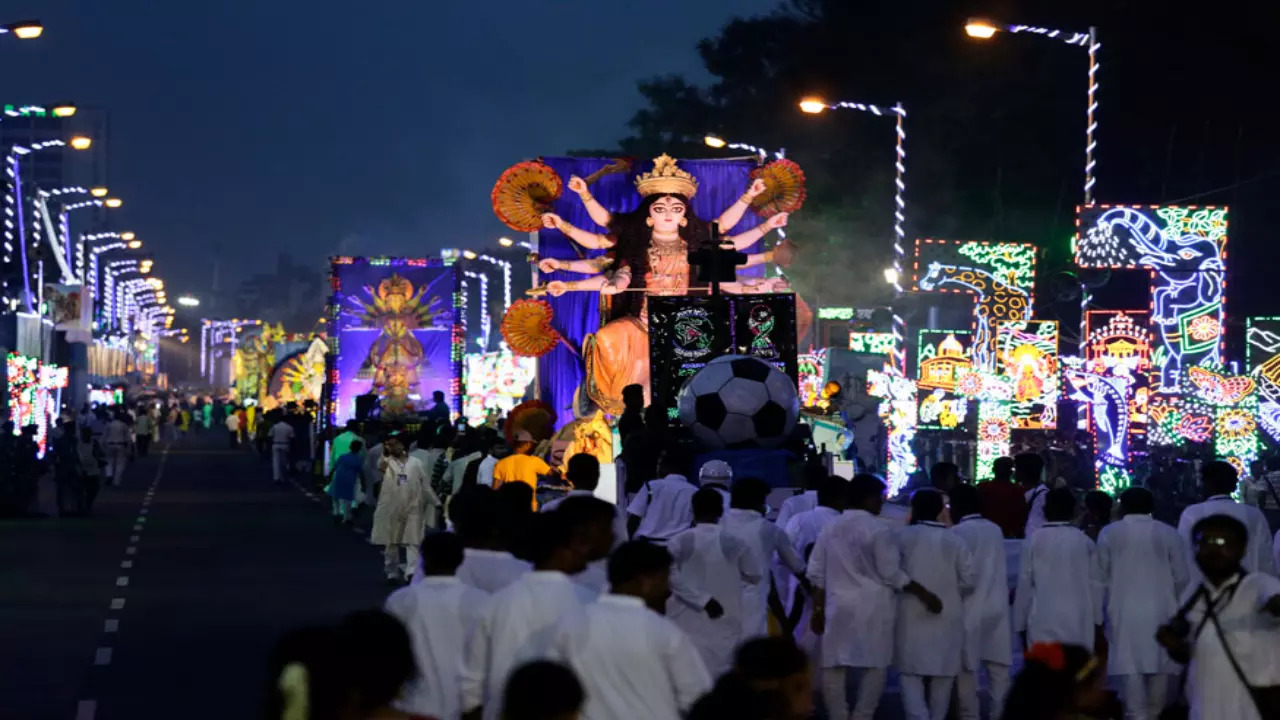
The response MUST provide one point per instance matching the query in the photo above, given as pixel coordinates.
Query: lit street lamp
(188, 301)
(23, 30)
(814, 106)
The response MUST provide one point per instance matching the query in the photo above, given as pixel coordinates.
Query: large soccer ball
(739, 402)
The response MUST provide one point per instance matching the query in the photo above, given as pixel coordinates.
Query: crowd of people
(691, 598)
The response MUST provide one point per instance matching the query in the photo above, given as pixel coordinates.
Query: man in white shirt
(856, 572)
(517, 624)
(815, 476)
(281, 437)
(1219, 480)
(988, 634)
(1060, 585)
(233, 427)
(929, 645)
(746, 522)
(1144, 565)
(710, 567)
(662, 507)
(1231, 615)
(469, 451)
(583, 472)
(486, 566)
(115, 439)
(1027, 471)
(632, 661)
(438, 612)
(802, 531)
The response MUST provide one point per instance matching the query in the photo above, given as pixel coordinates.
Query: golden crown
(666, 179)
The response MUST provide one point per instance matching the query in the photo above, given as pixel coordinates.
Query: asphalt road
(168, 600)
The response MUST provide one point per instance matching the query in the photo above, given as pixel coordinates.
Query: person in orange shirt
(521, 466)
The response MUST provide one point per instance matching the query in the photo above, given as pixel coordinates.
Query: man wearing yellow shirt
(521, 466)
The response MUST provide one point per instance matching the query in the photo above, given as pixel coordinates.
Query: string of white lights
(485, 320)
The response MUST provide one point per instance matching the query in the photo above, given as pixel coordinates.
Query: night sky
(319, 127)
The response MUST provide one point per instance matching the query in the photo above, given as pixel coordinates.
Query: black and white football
(739, 402)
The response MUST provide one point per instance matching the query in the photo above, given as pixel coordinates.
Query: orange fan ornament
(783, 188)
(527, 328)
(523, 193)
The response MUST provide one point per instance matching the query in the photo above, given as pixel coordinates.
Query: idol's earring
(684, 222)
(648, 221)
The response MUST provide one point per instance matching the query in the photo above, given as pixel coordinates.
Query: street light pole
(813, 106)
(985, 30)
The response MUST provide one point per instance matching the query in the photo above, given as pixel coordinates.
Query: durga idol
(649, 255)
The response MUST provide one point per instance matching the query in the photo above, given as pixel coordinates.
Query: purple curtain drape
(577, 314)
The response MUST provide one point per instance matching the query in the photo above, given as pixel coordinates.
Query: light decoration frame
(1262, 361)
(999, 275)
(941, 357)
(1232, 403)
(35, 395)
(993, 394)
(458, 337)
(812, 369)
(15, 219)
(1027, 355)
(494, 381)
(1184, 248)
(898, 410)
(872, 343)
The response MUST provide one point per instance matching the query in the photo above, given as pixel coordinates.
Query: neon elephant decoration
(1187, 275)
(997, 301)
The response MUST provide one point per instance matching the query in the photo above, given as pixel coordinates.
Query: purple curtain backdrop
(577, 314)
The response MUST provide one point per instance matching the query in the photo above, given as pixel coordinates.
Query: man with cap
(521, 466)
(717, 475)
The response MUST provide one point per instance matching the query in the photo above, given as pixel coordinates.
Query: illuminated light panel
(1027, 355)
(898, 410)
(993, 394)
(1000, 277)
(943, 356)
(872, 343)
(1107, 397)
(1119, 345)
(812, 368)
(495, 381)
(1184, 247)
(1262, 353)
(835, 313)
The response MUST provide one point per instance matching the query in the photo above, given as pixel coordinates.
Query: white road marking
(142, 512)
(134, 538)
(102, 656)
(126, 564)
(110, 626)
(137, 528)
(86, 709)
(117, 603)
(141, 519)
(131, 550)
(122, 581)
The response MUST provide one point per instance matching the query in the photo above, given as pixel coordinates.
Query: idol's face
(666, 213)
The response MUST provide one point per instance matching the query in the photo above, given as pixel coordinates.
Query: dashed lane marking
(122, 581)
(111, 625)
(117, 603)
(86, 709)
(102, 656)
(126, 564)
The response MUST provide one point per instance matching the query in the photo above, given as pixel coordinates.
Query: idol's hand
(756, 188)
(784, 253)
(776, 221)
(551, 220)
(556, 288)
(577, 184)
(610, 289)
(547, 265)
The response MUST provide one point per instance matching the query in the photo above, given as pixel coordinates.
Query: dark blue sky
(317, 127)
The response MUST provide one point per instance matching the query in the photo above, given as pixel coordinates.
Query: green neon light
(835, 313)
(873, 343)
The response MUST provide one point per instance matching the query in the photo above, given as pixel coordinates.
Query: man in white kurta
(1144, 566)
(856, 569)
(803, 530)
(746, 522)
(709, 568)
(438, 613)
(815, 476)
(632, 661)
(486, 566)
(517, 624)
(988, 628)
(583, 471)
(661, 508)
(929, 645)
(281, 436)
(398, 519)
(1059, 594)
(1219, 480)
(116, 439)
(1028, 469)
(1247, 610)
